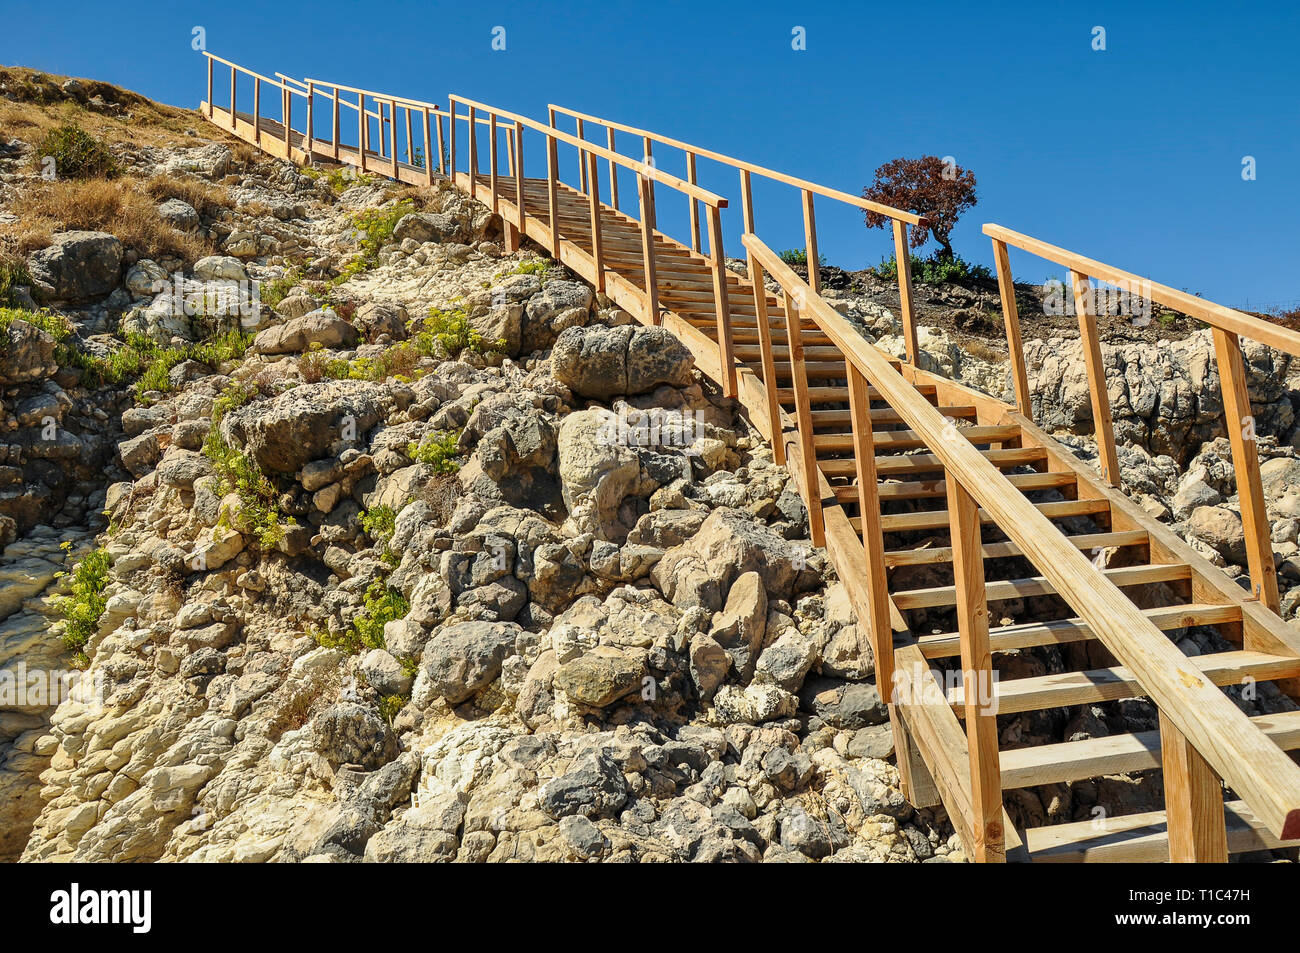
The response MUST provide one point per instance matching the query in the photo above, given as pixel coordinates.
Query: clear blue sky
(1132, 155)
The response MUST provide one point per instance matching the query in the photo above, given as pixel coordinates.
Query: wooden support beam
(694, 208)
(726, 349)
(903, 256)
(1011, 318)
(774, 423)
(472, 131)
(651, 313)
(810, 242)
(1102, 425)
(1193, 801)
(597, 246)
(803, 417)
(879, 629)
(613, 171)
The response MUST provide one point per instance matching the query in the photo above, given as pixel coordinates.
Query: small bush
(438, 449)
(82, 607)
(450, 333)
(934, 271)
(239, 473)
(76, 153)
(13, 272)
(799, 256)
(381, 605)
(379, 524)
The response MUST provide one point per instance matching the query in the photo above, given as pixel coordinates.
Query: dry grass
(204, 198)
(118, 207)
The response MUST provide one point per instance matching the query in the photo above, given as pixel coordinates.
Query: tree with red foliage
(938, 190)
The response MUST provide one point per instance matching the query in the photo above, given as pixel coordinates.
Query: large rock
(1221, 528)
(26, 354)
(463, 658)
(321, 326)
(593, 786)
(558, 306)
(307, 423)
(602, 363)
(351, 733)
(77, 266)
(429, 227)
(596, 471)
(600, 678)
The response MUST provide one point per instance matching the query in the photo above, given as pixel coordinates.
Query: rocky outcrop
(76, 267)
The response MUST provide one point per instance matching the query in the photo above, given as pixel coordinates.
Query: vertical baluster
(233, 120)
(310, 140)
(613, 172)
(1193, 801)
(775, 429)
(513, 234)
(451, 126)
(977, 667)
(597, 242)
(492, 159)
(442, 162)
(257, 110)
(903, 256)
(694, 204)
(363, 129)
(473, 154)
(410, 140)
(1240, 422)
(552, 200)
(649, 268)
(722, 306)
(747, 201)
(288, 123)
(582, 160)
(1105, 430)
(879, 629)
(210, 61)
(334, 126)
(649, 160)
(1011, 318)
(392, 138)
(428, 149)
(510, 151)
(803, 417)
(810, 243)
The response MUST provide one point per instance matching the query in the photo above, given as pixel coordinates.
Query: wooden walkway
(938, 504)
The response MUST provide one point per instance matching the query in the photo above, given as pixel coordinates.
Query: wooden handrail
(640, 168)
(254, 74)
(803, 184)
(1216, 315)
(1255, 767)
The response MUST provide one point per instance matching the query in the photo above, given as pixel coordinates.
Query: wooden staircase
(939, 505)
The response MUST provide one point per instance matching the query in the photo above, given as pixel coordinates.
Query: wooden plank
(613, 171)
(924, 462)
(597, 247)
(937, 519)
(933, 555)
(1116, 754)
(928, 489)
(650, 314)
(917, 782)
(1025, 635)
(909, 440)
(1103, 427)
(810, 243)
(1011, 318)
(803, 418)
(1193, 801)
(977, 667)
(1240, 423)
(773, 408)
(877, 622)
(1038, 586)
(726, 350)
(694, 211)
(1110, 684)
(906, 312)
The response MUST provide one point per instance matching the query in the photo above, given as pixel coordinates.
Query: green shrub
(82, 607)
(799, 256)
(390, 706)
(77, 154)
(450, 332)
(934, 271)
(381, 604)
(13, 272)
(239, 473)
(271, 293)
(438, 449)
(379, 523)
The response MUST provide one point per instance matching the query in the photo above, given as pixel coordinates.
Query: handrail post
(442, 162)
(810, 243)
(651, 315)
(582, 160)
(512, 234)
(1102, 425)
(1011, 318)
(803, 416)
(648, 159)
(1194, 815)
(451, 126)
(492, 159)
(410, 140)
(363, 129)
(693, 203)
(288, 124)
(747, 201)
(977, 668)
(233, 74)
(613, 172)
(210, 61)
(473, 155)
(1240, 422)
(428, 150)
(257, 110)
(775, 429)
(311, 121)
(905, 314)
(392, 137)
(597, 242)
(334, 126)
(552, 200)
(879, 629)
(722, 306)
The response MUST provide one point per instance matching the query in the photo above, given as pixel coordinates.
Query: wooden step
(1116, 754)
(1110, 684)
(897, 440)
(886, 415)
(943, 554)
(938, 519)
(1138, 838)
(840, 395)
(1038, 586)
(922, 462)
(928, 489)
(1008, 638)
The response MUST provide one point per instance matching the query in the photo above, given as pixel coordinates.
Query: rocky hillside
(372, 542)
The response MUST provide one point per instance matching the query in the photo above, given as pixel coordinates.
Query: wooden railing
(647, 175)
(808, 191)
(287, 93)
(1196, 717)
(1228, 327)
